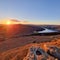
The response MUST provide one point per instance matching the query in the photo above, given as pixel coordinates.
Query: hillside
(20, 53)
(18, 29)
(15, 46)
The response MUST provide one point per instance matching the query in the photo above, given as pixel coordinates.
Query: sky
(32, 11)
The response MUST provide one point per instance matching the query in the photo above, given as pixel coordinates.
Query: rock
(54, 51)
(36, 54)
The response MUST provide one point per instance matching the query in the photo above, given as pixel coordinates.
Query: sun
(8, 22)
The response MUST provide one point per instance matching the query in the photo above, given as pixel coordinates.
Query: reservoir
(47, 31)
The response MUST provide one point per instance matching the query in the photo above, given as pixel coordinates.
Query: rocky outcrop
(37, 53)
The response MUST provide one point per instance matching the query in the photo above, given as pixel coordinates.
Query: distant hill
(18, 29)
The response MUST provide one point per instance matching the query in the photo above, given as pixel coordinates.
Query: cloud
(14, 20)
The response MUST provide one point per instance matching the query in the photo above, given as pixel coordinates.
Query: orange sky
(14, 21)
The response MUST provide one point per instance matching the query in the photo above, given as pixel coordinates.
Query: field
(14, 45)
